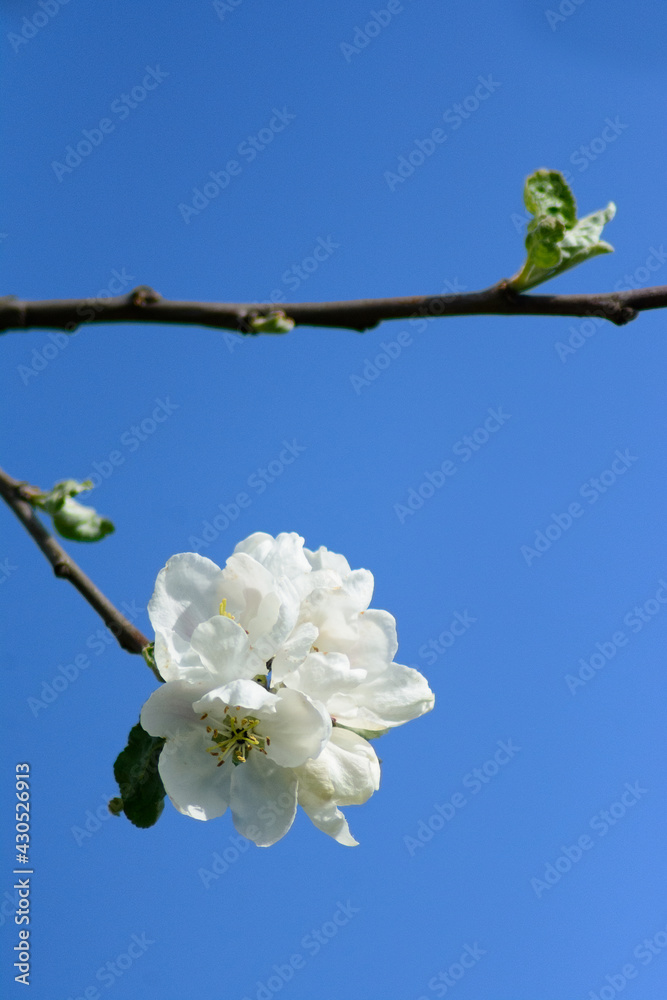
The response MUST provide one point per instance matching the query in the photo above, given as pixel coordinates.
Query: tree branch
(143, 305)
(13, 493)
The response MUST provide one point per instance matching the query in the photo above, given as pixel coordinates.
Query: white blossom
(231, 742)
(276, 667)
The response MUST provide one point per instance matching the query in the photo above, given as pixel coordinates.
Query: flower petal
(367, 637)
(243, 694)
(396, 696)
(169, 711)
(325, 675)
(266, 607)
(299, 729)
(263, 799)
(223, 648)
(347, 772)
(323, 559)
(176, 660)
(192, 779)
(293, 651)
(187, 592)
(282, 555)
(189, 774)
(318, 579)
(376, 642)
(335, 609)
(352, 766)
(328, 818)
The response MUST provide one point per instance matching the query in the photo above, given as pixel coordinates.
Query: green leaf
(136, 771)
(275, 322)
(53, 500)
(546, 193)
(70, 518)
(556, 240)
(79, 523)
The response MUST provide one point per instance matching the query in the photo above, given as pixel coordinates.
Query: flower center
(235, 736)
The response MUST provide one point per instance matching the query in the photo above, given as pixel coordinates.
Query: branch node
(507, 291)
(61, 569)
(245, 318)
(625, 314)
(144, 295)
(18, 307)
(24, 491)
(616, 311)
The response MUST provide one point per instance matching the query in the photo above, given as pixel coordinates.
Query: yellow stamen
(236, 738)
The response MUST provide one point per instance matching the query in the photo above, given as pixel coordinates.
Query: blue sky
(486, 866)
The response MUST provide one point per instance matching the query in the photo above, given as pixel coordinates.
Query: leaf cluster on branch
(556, 241)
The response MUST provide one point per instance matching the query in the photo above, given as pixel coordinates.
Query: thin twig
(143, 305)
(13, 493)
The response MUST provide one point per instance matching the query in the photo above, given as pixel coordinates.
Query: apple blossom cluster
(277, 675)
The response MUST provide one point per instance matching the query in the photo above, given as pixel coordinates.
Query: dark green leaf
(136, 771)
(80, 523)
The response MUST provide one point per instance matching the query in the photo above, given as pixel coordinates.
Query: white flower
(231, 743)
(191, 596)
(278, 629)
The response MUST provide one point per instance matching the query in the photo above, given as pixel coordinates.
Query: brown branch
(14, 493)
(143, 305)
